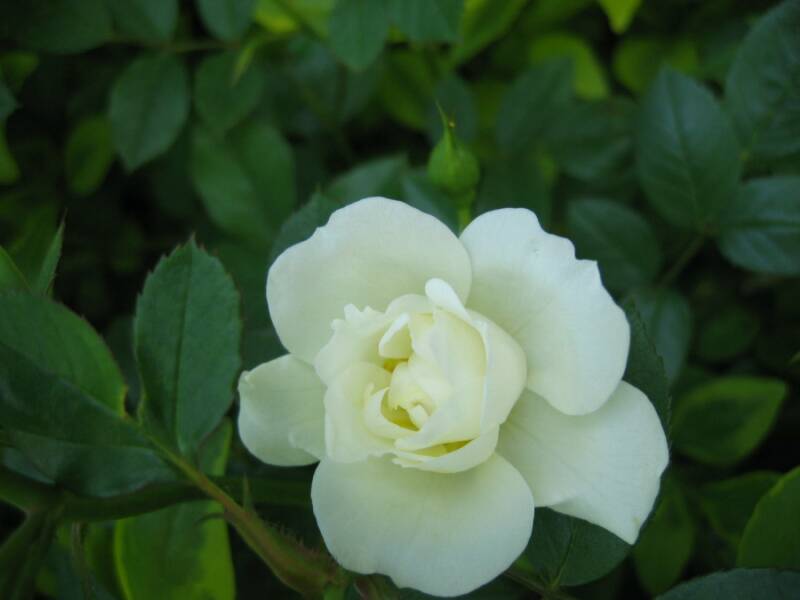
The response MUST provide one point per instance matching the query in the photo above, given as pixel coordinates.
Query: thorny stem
(304, 571)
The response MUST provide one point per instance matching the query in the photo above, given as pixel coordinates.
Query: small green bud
(452, 167)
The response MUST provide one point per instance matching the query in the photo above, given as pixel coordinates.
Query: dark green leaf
(247, 181)
(149, 105)
(146, 20)
(407, 88)
(61, 26)
(738, 584)
(532, 104)
(7, 102)
(420, 193)
(178, 552)
(594, 140)
(484, 21)
(665, 544)
(761, 229)
(618, 238)
(427, 20)
(37, 250)
(226, 19)
(645, 368)
(729, 503)
(568, 551)
(668, 319)
(10, 276)
(88, 155)
(301, 225)
(588, 75)
(762, 91)
(72, 438)
(221, 101)
(358, 29)
(721, 422)
(518, 183)
(686, 152)
(772, 535)
(186, 341)
(377, 177)
(61, 343)
(727, 334)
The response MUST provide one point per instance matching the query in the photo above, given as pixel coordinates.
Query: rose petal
(441, 534)
(530, 284)
(369, 253)
(281, 414)
(603, 467)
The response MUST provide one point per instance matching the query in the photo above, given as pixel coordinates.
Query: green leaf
(772, 535)
(687, 155)
(637, 60)
(407, 88)
(665, 544)
(247, 182)
(186, 341)
(729, 332)
(88, 154)
(7, 102)
(10, 276)
(594, 140)
(149, 105)
(721, 422)
(618, 238)
(761, 90)
(73, 439)
(179, 552)
(419, 192)
(377, 177)
(427, 20)
(146, 20)
(738, 584)
(620, 13)
(9, 170)
(515, 183)
(358, 29)
(729, 503)
(61, 343)
(645, 368)
(226, 19)
(301, 225)
(532, 103)
(761, 229)
(568, 551)
(484, 21)
(37, 250)
(60, 26)
(220, 101)
(667, 316)
(589, 78)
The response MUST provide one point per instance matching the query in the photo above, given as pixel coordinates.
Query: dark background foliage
(662, 137)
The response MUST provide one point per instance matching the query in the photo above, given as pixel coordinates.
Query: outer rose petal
(603, 467)
(528, 282)
(281, 418)
(441, 534)
(368, 254)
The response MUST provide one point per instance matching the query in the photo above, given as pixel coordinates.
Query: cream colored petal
(281, 414)
(442, 534)
(530, 284)
(604, 467)
(368, 254)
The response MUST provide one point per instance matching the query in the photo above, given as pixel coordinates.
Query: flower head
(447, 387)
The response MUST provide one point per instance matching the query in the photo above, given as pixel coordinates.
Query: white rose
(446, 386)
